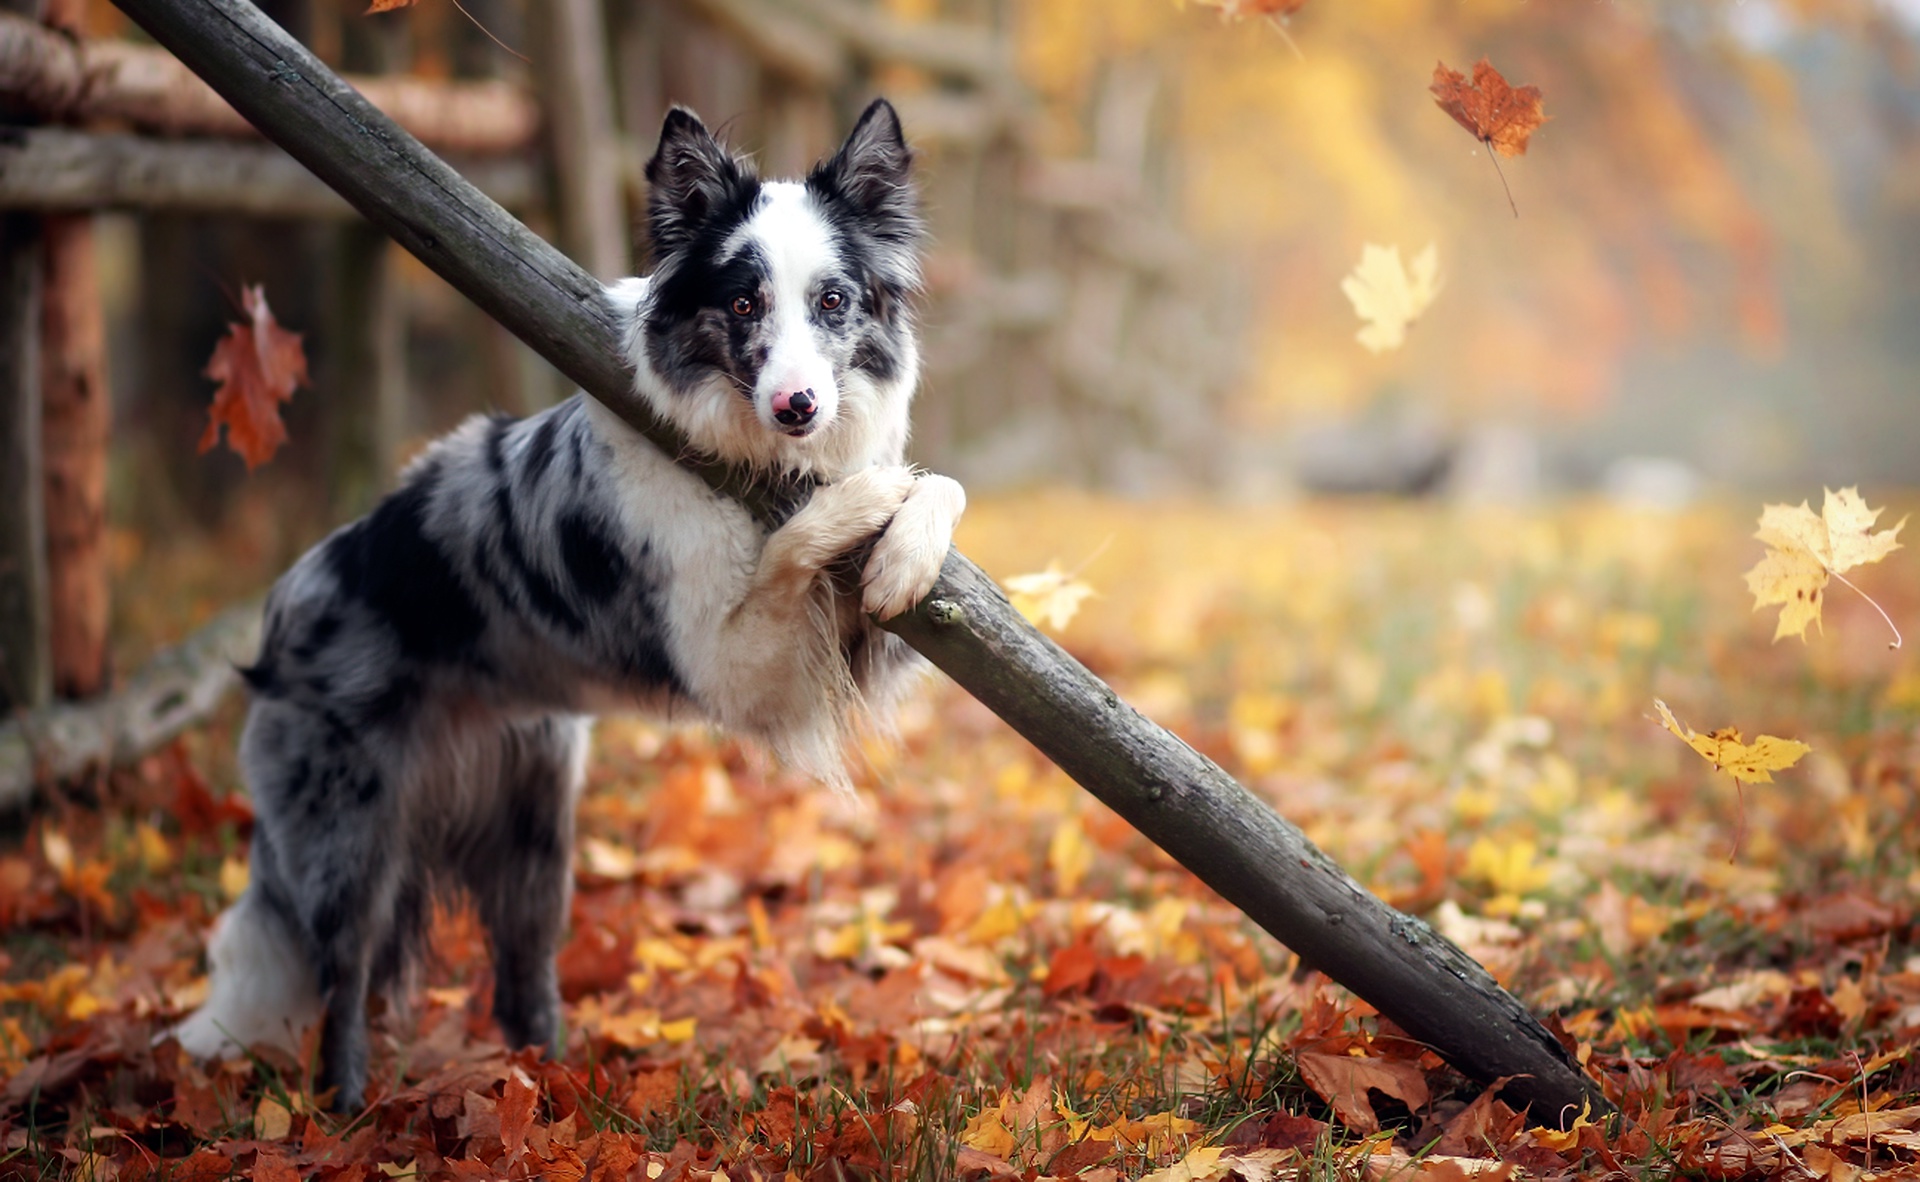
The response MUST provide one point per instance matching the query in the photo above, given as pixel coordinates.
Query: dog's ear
(870, 171)
(869, 179)
(690, 177)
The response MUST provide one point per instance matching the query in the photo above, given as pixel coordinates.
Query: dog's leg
(908, 556)
(518, 870)
(328, 805)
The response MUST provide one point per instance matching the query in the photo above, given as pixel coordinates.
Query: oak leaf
(1750, 763)
(1388, 295)
(1804, 550)
(258, 364)
(1497, 113)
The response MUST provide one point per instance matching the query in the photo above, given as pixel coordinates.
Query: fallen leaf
(1804, 550)
(271, 1120)
(1388, 295)
(1344, 1081)
(1497, 113)
(387, 6)
(258, 364)
(1748, 763)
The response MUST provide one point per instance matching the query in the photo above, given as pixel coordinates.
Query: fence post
(25, 675)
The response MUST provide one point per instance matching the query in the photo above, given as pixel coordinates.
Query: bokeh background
(1142, 212)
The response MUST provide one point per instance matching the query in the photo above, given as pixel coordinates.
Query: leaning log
(1216, 828)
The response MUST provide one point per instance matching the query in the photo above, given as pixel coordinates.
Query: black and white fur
(420, 699)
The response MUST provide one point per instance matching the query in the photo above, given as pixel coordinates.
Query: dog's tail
(262, 987)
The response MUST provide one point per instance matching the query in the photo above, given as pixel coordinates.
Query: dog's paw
(908, 557)
(845, 513)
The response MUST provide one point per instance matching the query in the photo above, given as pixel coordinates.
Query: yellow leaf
(1069, 855)
(1509, 867)
(1389, 296)
(678, 1030)
(1051, 597)
(233, 878)
(1805, 550)
(1750, 763)
(988, 1132)
(271, 1120)
(156, 856)
(1201, 1165)
(1558, 1141)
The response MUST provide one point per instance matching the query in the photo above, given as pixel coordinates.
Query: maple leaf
(1498, 114)
(1051, 597)
(1804, 550)
(1725, 750)
(1389, 296)
(1493, 111)
(258, 364)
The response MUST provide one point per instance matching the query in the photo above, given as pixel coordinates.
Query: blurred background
(1142, 211)
(1141, 216)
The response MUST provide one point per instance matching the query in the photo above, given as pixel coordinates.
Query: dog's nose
(793, 409)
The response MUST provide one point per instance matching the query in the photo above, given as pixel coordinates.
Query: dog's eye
(832, 299)
(742, 306)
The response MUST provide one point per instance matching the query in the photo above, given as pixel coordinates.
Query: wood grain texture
(1181, 801)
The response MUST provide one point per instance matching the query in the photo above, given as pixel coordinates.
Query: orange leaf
(258, 364)
(1498, 114)
(1344, 1080)
(387, 6)
(273, 1166)
(516, 1116)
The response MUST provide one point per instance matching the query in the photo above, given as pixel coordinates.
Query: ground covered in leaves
(976, 971)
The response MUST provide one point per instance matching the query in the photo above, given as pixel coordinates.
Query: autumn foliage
(980, 973)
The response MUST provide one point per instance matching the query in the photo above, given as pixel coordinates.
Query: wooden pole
(575, 78)
(76, 419)
(1216, 828)
(26, 677)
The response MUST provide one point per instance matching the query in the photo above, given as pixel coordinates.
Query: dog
(421, 699)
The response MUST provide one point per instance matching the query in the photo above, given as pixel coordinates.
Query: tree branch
(1215, 827)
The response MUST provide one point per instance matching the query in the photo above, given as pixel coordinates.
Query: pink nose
(793, 407)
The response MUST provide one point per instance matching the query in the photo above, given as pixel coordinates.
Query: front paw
(844, 514)
(907, 559)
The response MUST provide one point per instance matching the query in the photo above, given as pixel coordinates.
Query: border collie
(418, 724)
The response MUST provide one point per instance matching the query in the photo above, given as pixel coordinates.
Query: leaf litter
(979, 972)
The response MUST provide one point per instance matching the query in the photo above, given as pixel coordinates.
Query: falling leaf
(1804, 550)
(1494, 112)
(1498, 114)
(258, 365)
(1051, 597)
(1389, 296)
(1751, 764)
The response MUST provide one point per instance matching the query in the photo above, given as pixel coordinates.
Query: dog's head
(776, 328)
